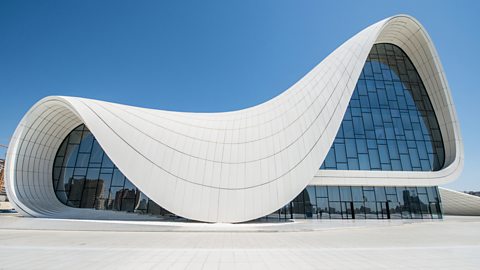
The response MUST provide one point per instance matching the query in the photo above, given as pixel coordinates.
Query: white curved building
(368, 133)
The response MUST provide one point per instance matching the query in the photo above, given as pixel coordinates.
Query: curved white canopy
(232, 166)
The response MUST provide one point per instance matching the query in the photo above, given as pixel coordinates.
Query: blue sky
(211, 55)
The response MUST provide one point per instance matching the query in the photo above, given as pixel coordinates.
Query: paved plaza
(28, 243)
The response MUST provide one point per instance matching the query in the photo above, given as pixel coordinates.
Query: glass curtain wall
(362, 202)
(389, 124)
(85, 177)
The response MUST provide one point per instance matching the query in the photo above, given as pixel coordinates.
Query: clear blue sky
(210, 55)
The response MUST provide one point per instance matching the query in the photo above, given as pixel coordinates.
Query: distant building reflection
(84, 192)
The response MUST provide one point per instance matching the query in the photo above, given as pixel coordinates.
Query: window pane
(86, 144)
(380, 194)
(340, 154)
(322, 208)
(333, 193)
(321, 191)
(345, 194)
(96, 154)
(357, 194)
(335, 210)
(118, 178)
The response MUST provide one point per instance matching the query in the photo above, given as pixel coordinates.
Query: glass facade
(389, 123)
(85, 177)
(367, 202)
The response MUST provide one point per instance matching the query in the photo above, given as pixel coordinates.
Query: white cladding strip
(459, 203)
(232, 166)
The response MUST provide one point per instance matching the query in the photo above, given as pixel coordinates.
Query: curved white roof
(232, 166)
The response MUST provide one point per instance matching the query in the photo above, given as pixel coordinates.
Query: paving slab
(29, 243)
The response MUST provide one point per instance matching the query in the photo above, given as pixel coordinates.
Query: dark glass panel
(364, 161)
(88, 196)
(75, 137)
(333, 193)
(362, 146)
(395, 209)
(71, 155)
(80, 172)
(298, 206)
(322, 208)
(86, 144)
(93, 174)
(369, 195)
(118, 179)
(424, 205)
(405, 160)
(321, 191)
(347, 210)
(311, 193)
(353, 164)
(96, 154)
(380, 194)
(76, 188)
(340, 153)
(82, 160)
(335, 210)
(351, 148)
(371, 210)
(421, 190)
(345, 194)
(396, 165)
(432, 194)
(115, 198)
(374, 159)
(383, 154)
(330, 160)
(359, 210)
(141, 203)
(64, 184)
(347, 126)
(310, 202)
(357, 194)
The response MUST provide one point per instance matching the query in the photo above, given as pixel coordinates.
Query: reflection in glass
(362, 202)
(389, 124)
(85, 177)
